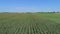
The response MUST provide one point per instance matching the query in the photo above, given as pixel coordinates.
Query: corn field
(29, 23)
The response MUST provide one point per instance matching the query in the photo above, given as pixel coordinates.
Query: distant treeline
(30, 12)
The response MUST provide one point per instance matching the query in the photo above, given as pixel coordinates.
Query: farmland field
(36, 23)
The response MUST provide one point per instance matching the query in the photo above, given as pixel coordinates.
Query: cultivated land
(36, 23)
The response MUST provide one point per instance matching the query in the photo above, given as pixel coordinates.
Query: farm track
(28, 24)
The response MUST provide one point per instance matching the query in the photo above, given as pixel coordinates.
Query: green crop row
(29, 23)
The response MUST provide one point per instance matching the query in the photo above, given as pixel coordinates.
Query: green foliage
(30, 23)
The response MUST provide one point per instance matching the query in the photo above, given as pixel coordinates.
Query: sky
(29, 5)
